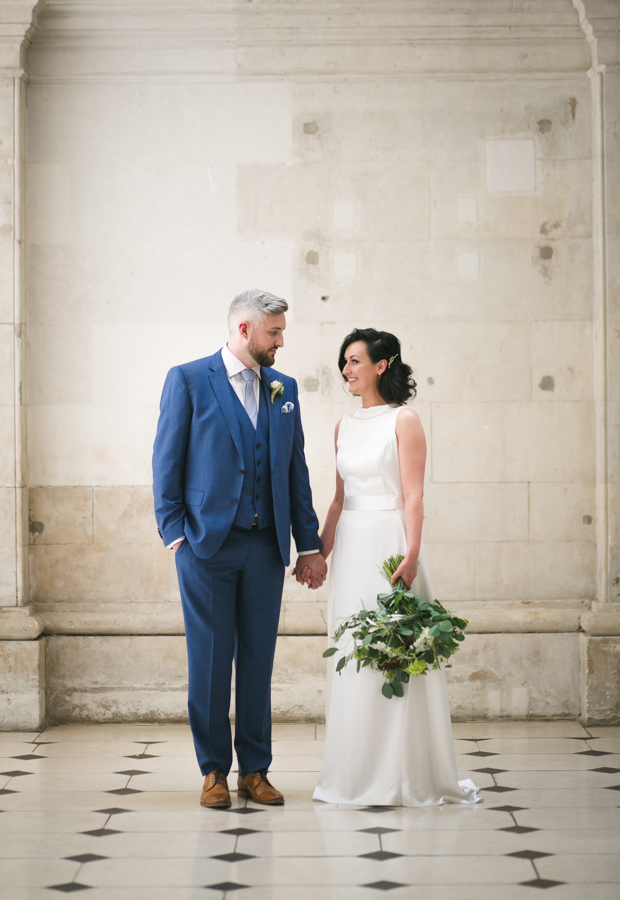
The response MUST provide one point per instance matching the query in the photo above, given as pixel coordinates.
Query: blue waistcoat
(256, 497)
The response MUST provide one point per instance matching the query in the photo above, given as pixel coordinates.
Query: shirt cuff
(176, 541)
(307, 552)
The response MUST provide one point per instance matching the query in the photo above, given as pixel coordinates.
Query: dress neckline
(373, 411)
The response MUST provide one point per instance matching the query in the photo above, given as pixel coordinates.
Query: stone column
(22, 701)
(600, 650)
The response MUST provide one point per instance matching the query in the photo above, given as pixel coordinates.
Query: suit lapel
(274, 415)
(224, 395)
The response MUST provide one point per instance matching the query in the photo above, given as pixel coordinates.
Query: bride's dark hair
(396, 384)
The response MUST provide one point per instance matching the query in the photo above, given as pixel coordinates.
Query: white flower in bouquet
(425, 640)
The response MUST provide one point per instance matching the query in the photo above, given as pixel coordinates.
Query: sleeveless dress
(380, 752)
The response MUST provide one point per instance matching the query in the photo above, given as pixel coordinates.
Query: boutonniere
(276, 388)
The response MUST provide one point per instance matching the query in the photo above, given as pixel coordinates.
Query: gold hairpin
(392, 360)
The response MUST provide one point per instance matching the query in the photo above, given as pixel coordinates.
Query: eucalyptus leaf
(387, 690)
(330, 652)
(398, 689)
(341, 664)
(445, 625)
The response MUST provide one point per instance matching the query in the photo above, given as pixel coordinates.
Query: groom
(230, 481)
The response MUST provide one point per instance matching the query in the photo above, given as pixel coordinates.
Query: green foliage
(403, 637)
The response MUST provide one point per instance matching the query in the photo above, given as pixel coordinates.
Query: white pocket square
(287, 407)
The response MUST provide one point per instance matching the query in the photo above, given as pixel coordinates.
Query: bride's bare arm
(412, 459)
(328, 534)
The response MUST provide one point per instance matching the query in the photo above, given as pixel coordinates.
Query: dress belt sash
(374, 502)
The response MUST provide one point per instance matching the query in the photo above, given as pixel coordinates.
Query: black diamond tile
(233, 857)
(245, 811)
(607, 770)
(541, 883)
(42, 743)
(148, 743)
(473, 740)
(488, 771)
(519, 829)
(482, 753)
(380, 855)
(101, 832)
(499, 789)
(378, 830)
(591, 753)
(384, 885)
(528, 854)
(239, 832)
(508, 809)
(4, 791)
(122, 792)
(227, 886)
(70, 887)
(36, 756)
(614, 787)
(133, 772)
(113, 811)
(15, 773)
(142, 756)
(86, 857)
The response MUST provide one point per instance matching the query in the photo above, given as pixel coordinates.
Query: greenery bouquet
(404, 636)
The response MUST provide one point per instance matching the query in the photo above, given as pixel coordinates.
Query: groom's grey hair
(256, 305)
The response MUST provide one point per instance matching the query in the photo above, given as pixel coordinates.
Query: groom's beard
(264, 358)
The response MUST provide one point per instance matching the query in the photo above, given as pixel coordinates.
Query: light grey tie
(249, 398)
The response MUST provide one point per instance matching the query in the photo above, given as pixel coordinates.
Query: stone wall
(435, 170)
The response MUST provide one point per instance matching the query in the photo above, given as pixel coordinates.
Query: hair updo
(396, 384)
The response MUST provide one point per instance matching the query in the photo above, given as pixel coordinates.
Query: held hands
(407, 570)
(311, 570)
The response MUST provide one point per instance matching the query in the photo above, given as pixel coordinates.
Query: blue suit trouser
(231, 605)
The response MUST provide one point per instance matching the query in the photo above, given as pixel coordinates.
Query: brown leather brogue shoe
(215, 794)
(258, 788)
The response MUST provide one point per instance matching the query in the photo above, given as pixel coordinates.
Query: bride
(381, 752)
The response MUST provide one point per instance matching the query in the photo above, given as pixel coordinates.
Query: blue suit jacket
(198, 460)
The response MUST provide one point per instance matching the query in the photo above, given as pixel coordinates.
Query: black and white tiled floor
(111, 812)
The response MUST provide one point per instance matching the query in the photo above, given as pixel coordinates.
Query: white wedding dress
(380, 752)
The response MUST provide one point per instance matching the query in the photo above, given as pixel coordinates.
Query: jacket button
(258, 496)
(234, 502)
(258, 446)
(258, 463)
(241, 471)
(258, 479)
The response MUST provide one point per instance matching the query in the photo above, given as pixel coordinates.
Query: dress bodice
(368, 459)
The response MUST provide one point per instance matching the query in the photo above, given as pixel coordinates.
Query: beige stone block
(7, 517)
(116, 679)
(515, 675)
(333, 281)
(129, 362)
(600, 680)
(83, 283)
(562, 361)
(86, 444)
(244, 121)
(95, 617)
(451, 567)
(476, 512)
(560, 207)
(536, 570)
(155, 203)
(22, 685)
(8, 574)
(125, 515)
(421, 281)
(7, 445)
(194, 283)
(303, 618)
(7, 365)
(7, 102)
(59, 364)
(562, 512)
(392, 204)
(48, 203)
(144, 678)
(102, 572)
(7, 300)
(61, 515)
(300, 358)
(513, 442)
(20, 623)
(103, 122)
(469, 360)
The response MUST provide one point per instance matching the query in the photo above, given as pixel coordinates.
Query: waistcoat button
(241, 471)
(233, 502)
(258, 446)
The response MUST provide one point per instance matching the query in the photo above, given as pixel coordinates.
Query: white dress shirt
(234, 367)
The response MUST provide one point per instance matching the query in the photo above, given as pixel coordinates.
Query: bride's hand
(407, 570)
